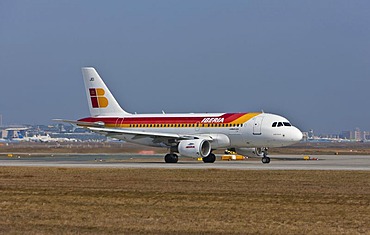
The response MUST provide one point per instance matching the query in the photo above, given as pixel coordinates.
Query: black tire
(211, 158)
(265, 160)
(171, 158)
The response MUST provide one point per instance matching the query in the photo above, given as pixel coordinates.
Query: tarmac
(278, 162)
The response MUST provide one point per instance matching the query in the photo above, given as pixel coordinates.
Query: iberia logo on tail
(98, 100)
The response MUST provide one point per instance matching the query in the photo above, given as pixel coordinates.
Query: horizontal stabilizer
(82, 124)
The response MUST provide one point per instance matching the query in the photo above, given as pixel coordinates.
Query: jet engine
(194, 148)
(250, 152)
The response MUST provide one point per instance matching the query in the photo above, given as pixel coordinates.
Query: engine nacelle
(250, 152)
(194, 148)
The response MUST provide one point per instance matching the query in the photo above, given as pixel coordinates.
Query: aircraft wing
(115, 131)
(158, 137)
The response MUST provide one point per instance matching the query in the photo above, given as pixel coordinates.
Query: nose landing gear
(265, 159)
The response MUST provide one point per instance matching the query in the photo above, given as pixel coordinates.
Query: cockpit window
(279, 124)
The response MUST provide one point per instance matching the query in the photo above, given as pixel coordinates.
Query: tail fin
(100, 99)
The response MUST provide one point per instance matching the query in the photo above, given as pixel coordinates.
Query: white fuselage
(258, 131)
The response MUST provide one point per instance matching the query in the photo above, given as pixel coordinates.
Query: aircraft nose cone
(297, 135)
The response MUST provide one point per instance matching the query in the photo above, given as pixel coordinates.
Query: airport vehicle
(190, 135)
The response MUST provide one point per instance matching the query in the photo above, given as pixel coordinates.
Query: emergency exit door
(257, 125)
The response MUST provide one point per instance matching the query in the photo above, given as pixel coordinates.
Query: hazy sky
(306, 60)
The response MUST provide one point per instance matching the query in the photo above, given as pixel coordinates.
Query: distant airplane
(19, 137)
(190, 135)
(47, 138)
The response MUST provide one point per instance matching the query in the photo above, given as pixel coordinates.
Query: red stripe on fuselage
(228, 117)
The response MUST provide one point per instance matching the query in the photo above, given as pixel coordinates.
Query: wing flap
(137, 134)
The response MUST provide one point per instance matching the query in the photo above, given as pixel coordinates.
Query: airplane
(190, 135)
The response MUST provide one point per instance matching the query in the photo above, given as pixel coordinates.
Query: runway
(278, 162)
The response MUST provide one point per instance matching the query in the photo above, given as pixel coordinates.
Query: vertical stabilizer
(100, 99)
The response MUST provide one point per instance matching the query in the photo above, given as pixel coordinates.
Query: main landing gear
(265, 159)
(211, 158)
(171, 158)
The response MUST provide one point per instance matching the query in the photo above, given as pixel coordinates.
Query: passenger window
(280, 124)
(274, 124)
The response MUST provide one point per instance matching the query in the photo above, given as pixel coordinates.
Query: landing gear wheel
(265, 160)
(211, 158)
(171, 158)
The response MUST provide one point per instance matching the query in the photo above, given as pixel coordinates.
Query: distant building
(305, 136)
(366, 135)
(356, 135)
(4, 134)
(345, 135)
(310, 134)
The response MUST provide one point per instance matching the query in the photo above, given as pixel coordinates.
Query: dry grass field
(156, 201)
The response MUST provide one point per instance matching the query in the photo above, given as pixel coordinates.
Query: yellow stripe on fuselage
(246, 117)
